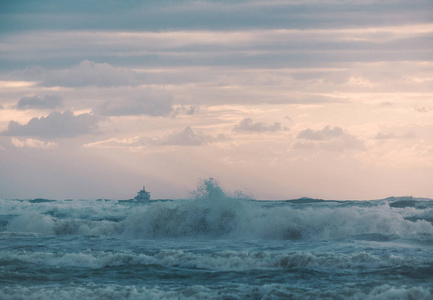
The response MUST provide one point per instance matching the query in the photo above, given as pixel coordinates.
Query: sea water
(214, 246)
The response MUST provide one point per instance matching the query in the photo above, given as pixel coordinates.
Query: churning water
(216, 247)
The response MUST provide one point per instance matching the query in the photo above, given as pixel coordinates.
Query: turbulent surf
(216, 246)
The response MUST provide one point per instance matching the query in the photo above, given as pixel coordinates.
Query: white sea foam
(236, 219)
(88, 292)
(240, 219)
(216, 246)
(45, 224)
(244, 291)
(213, 214)
(216, 261)
(387, 292)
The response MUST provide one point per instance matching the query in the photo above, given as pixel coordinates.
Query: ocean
(216, 246)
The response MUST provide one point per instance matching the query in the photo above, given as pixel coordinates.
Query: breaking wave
(216, 246)
(211, 213)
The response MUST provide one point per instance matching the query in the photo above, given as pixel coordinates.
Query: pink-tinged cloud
(248, 125)
(189, 137)
(55, 125)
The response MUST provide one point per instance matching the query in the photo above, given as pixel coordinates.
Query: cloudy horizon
(279, 99)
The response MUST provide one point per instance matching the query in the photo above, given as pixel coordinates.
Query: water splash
(210, 213)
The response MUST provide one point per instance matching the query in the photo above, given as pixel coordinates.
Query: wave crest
(211, 213)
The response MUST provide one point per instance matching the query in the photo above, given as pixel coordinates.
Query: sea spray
(211, 213)
(216, 246)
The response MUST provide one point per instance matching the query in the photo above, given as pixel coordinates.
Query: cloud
(389, 136)
(324, 134)
(36, 102)
(247, 125)
(33, 143)
(151, 103)
(117, 143)
(163, 16)
(384, 136)
(422, 109)
(329, 139)
(89, 73)
(186, 110)
(188, 137)
(55, 125)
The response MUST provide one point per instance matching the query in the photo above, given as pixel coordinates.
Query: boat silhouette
(142, 195)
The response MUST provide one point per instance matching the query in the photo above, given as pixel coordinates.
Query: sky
(277, 99)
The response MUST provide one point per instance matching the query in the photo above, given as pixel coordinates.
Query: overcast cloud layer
(280, 99)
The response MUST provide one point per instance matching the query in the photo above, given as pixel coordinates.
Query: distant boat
(142, 195)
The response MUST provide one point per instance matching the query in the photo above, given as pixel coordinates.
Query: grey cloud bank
(157, 15)
(185, 33)
(89, 73)
(152, 104)
(55, 125)
(276, 48)
(37, 102)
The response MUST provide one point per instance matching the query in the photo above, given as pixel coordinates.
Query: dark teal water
(216, 247)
